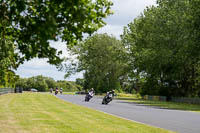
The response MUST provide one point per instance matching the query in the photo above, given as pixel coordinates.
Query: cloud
(41, 67)
(125, 11)
(115, 30)
(60, 46)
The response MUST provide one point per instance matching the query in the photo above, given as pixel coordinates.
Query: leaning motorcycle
(56, 92)
(108, 98)
(88, 96)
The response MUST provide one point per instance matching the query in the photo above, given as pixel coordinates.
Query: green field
(40, 113)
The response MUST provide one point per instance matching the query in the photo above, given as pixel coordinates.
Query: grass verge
(69, 93)
(169, 105)
(160, 104)
(39, 113)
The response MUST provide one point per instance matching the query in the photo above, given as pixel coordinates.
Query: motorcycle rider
(89, 95)
(111, 93)
(61, 90)
(109, 97)
(91, 92)
(56, 92)
(51, 90)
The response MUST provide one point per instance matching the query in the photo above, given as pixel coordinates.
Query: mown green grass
(69, 93)
(168, 105)
(40, 113)
(161, 104)
(124, 95)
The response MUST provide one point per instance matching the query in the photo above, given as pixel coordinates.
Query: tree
(34, 23)
(7, 60)
(51, 83)
(163, 48)
(68, 86)
(40, 83)
(80, 82)
(29, 26)
(101, 57)
(22, 83)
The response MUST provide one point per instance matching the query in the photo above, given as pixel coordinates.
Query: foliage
(42, 83)
(163, 44)
(8, 78)
(7, 60)
(102, 58)
(27, 27)
(80, 81)
(51, 83)
(68, 86)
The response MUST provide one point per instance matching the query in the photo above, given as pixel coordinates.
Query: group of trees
(43, 84)
(101, 57)
(27, 26)
(158, 53)
(164, 44)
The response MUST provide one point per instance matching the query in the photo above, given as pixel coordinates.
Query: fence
(186, 100)
(155, 98)
(174, 99)
(6, 90)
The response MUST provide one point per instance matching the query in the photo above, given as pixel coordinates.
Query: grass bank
(168, 105)
(69, 93)
(161, 104)
(39, 113)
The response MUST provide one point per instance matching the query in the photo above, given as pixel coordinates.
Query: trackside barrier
(155, 98)
(174, 99)
(186, 100)
(6, 90)
(18, 90)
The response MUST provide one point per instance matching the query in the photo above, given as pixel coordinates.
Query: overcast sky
(124, 12)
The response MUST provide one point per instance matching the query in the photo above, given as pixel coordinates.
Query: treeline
(158, 53)
(102, 58)
(43, 84)
(164, 45)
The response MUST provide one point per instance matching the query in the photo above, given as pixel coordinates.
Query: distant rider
(61, 90)
(56, 92)
(51, 90)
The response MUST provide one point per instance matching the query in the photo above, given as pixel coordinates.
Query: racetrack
(175, 120)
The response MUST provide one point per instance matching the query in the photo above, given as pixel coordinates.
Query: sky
(125, 11)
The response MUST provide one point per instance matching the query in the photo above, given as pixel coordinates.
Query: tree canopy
(27, 26)
(102, 59)
(164, 48)
(42, 83)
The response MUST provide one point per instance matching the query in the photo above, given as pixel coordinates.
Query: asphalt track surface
(174, 120)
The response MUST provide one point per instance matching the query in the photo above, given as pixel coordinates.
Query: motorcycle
(88, 96)
(108, 98)
(56, 92)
